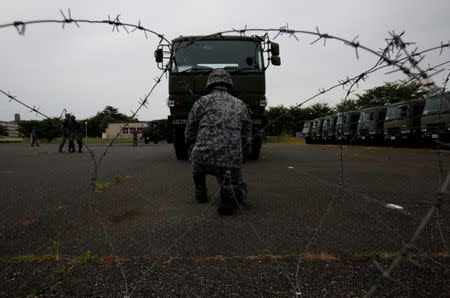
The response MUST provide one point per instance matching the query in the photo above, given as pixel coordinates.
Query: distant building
(17, 117)
(125, 132)
(11, 128)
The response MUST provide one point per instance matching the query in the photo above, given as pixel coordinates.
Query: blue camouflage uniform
(218, 128)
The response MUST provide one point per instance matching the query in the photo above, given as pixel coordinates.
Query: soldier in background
(218, 127)
(135, 138)
(75, 134)
(34, 138)
(67, 128)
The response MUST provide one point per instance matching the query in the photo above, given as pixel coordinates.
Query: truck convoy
(190, 60)
(413, 122)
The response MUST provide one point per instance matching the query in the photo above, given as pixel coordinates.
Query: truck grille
(436, 127)
(393, 130)
(363, 132)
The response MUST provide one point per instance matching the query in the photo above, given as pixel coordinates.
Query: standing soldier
(66, 126)
(217, 129)
(74, 134)
(135, 138)
(34, 138)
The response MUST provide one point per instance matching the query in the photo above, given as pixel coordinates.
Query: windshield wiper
(241, 69)
(194, 68)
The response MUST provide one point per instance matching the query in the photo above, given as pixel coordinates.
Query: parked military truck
(402, 122)
(435, 122)
(346, 126)
(316, 130)
(371, 124)
(307, 131)
(329, 129)
(192, 58)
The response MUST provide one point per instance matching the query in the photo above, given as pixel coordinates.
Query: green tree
(278, 121)
(389, 93)
(47, 128)
(318, 110)
(98, 123)
(3, 131)
(347, 105)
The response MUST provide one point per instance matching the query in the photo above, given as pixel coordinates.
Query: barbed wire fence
(395, 54)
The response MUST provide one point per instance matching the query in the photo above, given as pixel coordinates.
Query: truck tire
(256, 148)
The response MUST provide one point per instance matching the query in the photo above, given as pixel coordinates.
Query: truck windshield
(341, 119)
(366, 117)
(440, 104)
(204, 55)
(396, 112)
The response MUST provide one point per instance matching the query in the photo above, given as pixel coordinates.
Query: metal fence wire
(396, 55)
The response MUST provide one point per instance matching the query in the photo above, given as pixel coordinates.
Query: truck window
(417, 110)
(432, 105)
(403, 111)
(204, 55)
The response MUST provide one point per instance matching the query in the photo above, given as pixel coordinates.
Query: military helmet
(219, 76)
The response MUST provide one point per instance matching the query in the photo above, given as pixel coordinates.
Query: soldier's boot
(201, 193)
(227, 200)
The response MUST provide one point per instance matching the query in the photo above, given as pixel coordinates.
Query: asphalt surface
(312, 225)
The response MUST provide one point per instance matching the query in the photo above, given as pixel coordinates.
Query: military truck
(316, 130)
(307, 131)
(402, 122)
(191, 59)
(346, 125)
(329, 129)
(435, 122)
(370, 125)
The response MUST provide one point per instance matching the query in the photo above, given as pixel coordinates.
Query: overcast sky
(83, 70)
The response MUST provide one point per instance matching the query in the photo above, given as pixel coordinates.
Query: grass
(101, 186)
(87, 141)
(77, 262)
(285, 140)
(120, 179)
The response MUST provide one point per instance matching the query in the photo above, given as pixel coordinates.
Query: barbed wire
(396, 47)
(67, 18)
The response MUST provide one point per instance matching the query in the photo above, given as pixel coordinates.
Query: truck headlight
(170, 103)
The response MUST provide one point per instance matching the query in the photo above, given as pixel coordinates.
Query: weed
(77, 262)
(33, 258)
(101, 186)
(119, 179)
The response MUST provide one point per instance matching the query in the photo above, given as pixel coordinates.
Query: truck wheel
(181, 151)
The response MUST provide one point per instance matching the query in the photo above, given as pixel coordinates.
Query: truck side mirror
(275, 49)
(275, 60)
(159, 55)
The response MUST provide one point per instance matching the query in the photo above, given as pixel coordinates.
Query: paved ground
(168, 245)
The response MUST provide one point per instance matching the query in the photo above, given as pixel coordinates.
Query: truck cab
(402, 122)
(316, 130)
(371, 124)
(346, 126)
(192, 58)
(435, 123)
(329, 129)
(307, 131)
